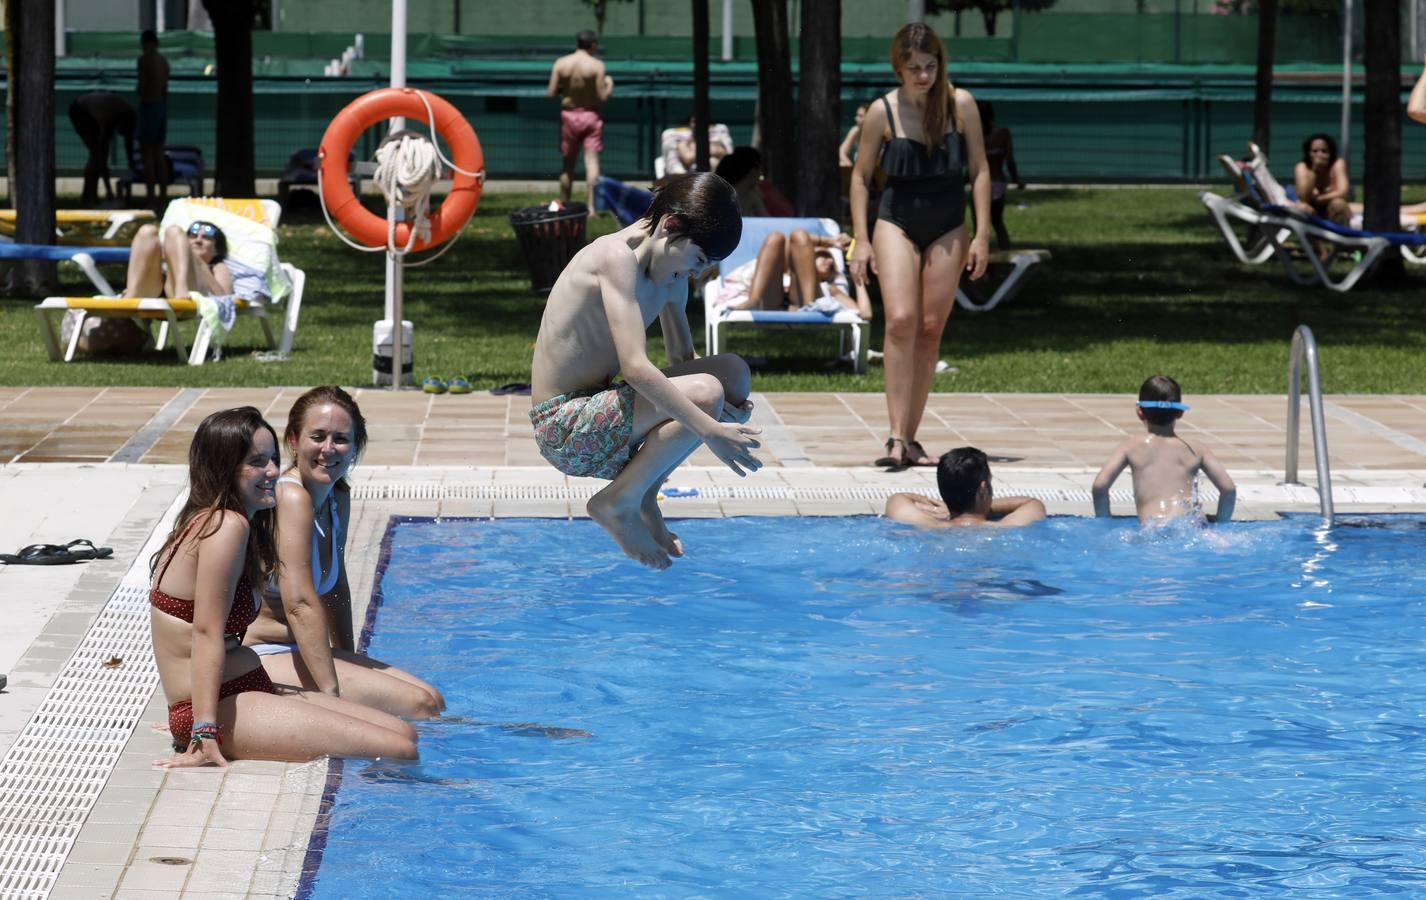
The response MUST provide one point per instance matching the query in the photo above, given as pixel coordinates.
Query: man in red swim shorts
(583, 86)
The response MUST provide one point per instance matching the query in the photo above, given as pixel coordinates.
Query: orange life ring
(377, 106)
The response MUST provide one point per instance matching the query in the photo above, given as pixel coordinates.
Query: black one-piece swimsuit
(925, 193)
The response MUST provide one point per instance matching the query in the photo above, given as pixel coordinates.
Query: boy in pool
(963, 478)
(1164, 465)
(635, 432)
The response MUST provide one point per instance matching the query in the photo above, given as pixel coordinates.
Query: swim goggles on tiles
(1163, 404)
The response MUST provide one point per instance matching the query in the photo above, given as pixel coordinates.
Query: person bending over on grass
(967, 498)
(1164, 465)
(303, 632)
(222, 705)
(637, 431)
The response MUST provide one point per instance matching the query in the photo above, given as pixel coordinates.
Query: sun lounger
(250, 225)
(168, 313)
(81, 223)
(970, 294)
(850, 326)
(86, 258)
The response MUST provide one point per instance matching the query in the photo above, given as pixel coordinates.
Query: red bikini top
(240, 614)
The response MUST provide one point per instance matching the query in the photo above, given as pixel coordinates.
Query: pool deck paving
(108, 465)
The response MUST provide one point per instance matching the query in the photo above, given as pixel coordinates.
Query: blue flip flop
(434, 385)
(459, 385)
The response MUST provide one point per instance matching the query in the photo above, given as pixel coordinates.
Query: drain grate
(434, 490)
(57, 766)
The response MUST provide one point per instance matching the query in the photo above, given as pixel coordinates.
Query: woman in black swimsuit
(925, 135)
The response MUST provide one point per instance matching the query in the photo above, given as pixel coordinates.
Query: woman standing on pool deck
(221, 703)
(304, 630)
(928, 131)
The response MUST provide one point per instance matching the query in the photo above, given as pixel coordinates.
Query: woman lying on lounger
(181, 262)
(794, 272)
(304, 632)
(222, 705)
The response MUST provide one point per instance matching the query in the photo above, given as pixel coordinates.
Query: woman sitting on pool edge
(222, 705)
(304, 632)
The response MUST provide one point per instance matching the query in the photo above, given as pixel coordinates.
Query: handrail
(1304, 344)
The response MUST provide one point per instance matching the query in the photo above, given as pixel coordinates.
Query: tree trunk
(775, 117)
(700, 86)
(1381, 178)
(819, 109)
(33, 130)
(1263, 84)
(233, 45)
(12, 23)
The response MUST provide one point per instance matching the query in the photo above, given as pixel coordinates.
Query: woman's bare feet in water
(625, 523)
(653, 518)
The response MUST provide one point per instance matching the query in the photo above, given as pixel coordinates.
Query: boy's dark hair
(706, 209)
(586, 39)
(987, 113)
(148, 37)
(734, 167)
(959, 475)
(1163, 389)
(1319, 136)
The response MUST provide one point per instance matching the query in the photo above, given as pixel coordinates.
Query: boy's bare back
(580, 76)
(1164, 468)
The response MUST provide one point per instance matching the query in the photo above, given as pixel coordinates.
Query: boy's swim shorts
(586, 432)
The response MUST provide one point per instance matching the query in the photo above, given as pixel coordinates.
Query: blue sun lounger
(851, 328)
(86, 258)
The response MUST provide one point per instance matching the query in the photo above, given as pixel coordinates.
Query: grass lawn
(1140, 283)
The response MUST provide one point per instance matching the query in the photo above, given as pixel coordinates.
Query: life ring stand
(377, 106)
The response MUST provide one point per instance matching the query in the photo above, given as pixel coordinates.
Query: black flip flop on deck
(56, 554)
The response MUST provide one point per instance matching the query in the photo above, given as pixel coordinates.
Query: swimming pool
(842, 707)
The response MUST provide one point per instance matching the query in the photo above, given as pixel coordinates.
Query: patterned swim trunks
(586, 432)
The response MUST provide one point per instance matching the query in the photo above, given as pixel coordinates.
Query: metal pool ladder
(1305, 345)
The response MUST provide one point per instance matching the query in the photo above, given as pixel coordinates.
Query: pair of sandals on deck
(912, 454)
(56, 554)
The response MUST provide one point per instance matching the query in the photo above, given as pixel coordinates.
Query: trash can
(548, 240)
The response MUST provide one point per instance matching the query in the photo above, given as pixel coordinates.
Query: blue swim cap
(1163, 404)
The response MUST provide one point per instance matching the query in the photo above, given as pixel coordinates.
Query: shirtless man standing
(585, 86)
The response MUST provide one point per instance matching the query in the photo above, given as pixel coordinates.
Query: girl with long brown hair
(925, 134)
(221, 704)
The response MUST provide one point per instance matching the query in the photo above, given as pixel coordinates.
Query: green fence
(1070, 123)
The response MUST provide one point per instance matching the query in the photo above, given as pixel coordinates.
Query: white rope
(406, 169)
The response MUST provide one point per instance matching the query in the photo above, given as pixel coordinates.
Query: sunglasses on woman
(203, 229)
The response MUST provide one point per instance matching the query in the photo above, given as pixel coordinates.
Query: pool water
(844, 707)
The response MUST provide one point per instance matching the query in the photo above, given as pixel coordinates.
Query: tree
(601, 11)
(989, 10)
(1381, 180)
(30, 35)
(775, 118)
(233, 44)
(819, 109)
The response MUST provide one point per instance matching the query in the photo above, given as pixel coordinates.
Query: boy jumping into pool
(1164, 465)
(967, 498)
(637, 431)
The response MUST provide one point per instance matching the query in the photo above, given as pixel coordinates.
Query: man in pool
(1165, 466)
(637, 431)
(967, 498)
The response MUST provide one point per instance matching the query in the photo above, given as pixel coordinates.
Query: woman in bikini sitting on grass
(222, 705)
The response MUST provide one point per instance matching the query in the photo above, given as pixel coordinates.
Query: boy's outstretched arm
(1227, 490)
(731, 442)
(1105, 480)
